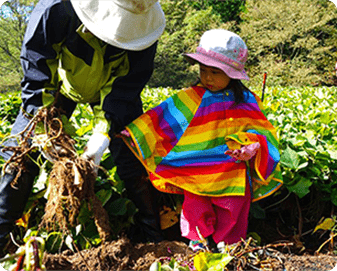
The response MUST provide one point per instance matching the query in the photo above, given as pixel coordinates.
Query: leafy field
(307, 123)
(306, 120)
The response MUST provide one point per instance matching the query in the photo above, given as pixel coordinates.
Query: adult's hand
(95, 147)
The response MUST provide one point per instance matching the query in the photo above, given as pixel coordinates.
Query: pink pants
(225, 218)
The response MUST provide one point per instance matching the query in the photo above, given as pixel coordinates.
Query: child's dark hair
(238, 89)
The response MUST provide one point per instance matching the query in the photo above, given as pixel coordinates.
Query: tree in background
(228, 10)
(294, 41)
(13, 21)
(186, 22)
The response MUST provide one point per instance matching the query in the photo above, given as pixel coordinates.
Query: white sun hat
(128, 24)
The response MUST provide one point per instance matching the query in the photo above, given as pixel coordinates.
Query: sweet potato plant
(306, 120)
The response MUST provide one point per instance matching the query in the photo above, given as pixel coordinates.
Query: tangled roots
(72, 179)
(71, 182)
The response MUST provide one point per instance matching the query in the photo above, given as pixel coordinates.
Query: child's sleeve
(264, 163)
(264, 167)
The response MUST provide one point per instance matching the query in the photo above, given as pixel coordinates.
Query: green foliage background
(293, 41)
(14, 15)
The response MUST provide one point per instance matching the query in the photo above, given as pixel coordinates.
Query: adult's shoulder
(53, 9)
(54, 19)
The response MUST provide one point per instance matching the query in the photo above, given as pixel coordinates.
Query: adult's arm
(123, 102)
(48, 27)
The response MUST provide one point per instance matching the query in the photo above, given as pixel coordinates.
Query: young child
(212, 143)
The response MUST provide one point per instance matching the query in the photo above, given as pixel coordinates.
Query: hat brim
(231, 72)
(119, 27)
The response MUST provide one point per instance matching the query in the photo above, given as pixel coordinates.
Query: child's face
(212, 78)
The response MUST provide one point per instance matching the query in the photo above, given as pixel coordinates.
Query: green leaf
(257, 211)
(84, 129)
(297, 141)
(84, 213)
(301, 188)
(90, 230)
(69, 129)
(166, 268)
(206, 261)
(303, 165)
(39, 128)
(104, 195)
(327, 224)
(334, 196)
(119, 206)
(333, 154)
(54, 242)
(181, 268)
(290, 158)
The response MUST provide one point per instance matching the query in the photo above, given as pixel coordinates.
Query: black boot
(147, 221)
(13, 201)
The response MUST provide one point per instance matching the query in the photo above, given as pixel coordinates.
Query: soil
(279, 226)
(122, 255)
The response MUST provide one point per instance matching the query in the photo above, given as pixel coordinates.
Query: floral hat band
(236, 64)
(222, 49)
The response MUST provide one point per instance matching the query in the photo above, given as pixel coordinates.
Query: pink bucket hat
(222, 49)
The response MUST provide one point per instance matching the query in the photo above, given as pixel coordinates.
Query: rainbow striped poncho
(182, 143)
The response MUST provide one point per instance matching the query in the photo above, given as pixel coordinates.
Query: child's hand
(126, 133)
(245, 153)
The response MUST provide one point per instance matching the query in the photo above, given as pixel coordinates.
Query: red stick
(263, 85)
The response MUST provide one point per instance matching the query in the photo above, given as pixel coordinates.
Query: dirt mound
(122, 255)
(310, 263)
(118, 255)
